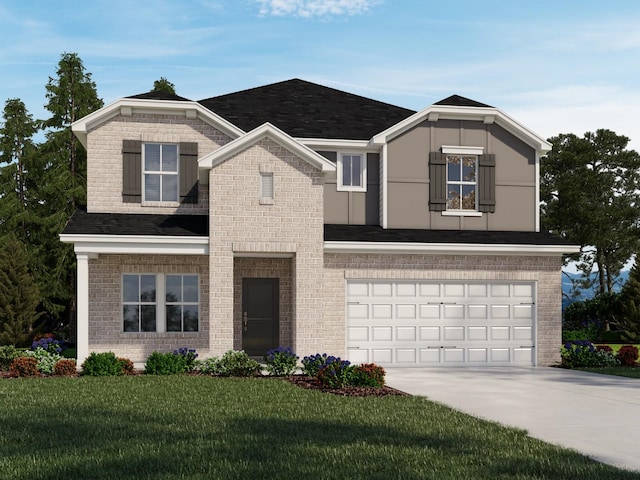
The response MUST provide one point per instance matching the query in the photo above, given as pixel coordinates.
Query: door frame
(247, 282)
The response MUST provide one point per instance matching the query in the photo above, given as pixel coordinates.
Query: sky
(562, 66)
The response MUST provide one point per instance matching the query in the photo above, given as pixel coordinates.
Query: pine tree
(19, 297)
(630, 298)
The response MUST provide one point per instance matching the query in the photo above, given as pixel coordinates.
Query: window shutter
(131, 171)
(437, 181)
(188, 172)
(487, 183)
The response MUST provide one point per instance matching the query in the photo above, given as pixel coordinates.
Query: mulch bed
(312, 383)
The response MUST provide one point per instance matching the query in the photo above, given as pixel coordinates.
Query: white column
(82, 304)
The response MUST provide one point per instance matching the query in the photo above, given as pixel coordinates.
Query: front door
(260, 315)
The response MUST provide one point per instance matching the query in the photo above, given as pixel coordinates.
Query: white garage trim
(441, 323)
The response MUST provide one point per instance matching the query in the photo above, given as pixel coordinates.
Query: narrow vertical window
(160, 172)
(139, 303)
(352, 172)
(266, 186)
(182, 304)
(462, 182)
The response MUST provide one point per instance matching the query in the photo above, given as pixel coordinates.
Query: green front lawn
(212, 428)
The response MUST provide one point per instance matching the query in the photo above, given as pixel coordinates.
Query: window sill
(160, 204)
(267, 201)
(341, 188)
(461, 213)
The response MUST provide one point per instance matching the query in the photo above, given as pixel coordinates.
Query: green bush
(582, 353)
(102, 365)
(8, 353)
(311, 364)
(65, 368)
(160, 363)
(24, 367)
(208, 366)
(367, 375)
(46, 359)
(336, 374)
(281, 362)
(237, 363)
(189, 355)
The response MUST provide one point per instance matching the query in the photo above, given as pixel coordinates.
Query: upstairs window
(352, 172)
(462, 174)
(160, 172)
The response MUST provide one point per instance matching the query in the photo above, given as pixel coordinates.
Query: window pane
(148, 323)
(469, 169)
(152, 157)
(266, 185)
(169, 158)
(356, 171)
(190, 318)
(174, 288)
(190, 283)
(469, 197)
(131, 318)
(169, 188)
(148, 287)
(346, 170)
(453, 168)
(130, 290)
(453, 197)
(174, 321)
(152, 188)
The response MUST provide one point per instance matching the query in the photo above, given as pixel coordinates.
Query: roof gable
(307, 110)
(273, 133)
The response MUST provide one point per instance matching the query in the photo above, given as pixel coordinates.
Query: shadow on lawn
(94, 444)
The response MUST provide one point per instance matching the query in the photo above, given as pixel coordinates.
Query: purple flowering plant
(189, 356)
(48, 344)
(281, 361)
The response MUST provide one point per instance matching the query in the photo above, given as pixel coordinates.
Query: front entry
(260, 315)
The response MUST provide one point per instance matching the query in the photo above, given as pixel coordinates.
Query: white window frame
(182, 303)
(160, 173)
(160, 303)
(462, 151)
(363, 172)
(267, 188)
(138, 302)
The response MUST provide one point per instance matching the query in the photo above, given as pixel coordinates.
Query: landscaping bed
(312, 383)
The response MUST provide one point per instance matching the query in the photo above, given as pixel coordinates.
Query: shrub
(46, 359)
(627, 355)
(189, 355)
(127, 366)
(65, 368)
(582, 353)
(368, 375)
(8, 353)
(237, 363)
(311, 364)
(281, 362)
(102, 365)
(47, 343)
(336, 373)
(604, 348)
(208, 366)
(24, 367)
(164, 364)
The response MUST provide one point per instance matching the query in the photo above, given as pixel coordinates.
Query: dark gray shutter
(131, 171)
(437, 181)
(487, 183)
(188, 172)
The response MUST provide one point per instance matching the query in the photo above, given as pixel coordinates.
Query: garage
(452, 323)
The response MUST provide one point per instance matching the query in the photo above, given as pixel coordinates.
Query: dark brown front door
(260, 315)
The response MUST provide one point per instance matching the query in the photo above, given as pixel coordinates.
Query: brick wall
(104, 153)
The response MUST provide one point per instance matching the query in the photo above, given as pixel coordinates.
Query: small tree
(629, 322)
(19, 297)
(164, 85)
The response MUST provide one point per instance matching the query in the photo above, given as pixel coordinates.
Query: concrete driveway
(597, 415)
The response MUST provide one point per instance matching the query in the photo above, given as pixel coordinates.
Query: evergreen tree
(630, 298)
(164, 85)
(19, 297)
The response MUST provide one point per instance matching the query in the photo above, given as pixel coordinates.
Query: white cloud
(314, 8)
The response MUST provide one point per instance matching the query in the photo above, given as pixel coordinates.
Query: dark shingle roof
(458, 101)
(160, 96)
(307, 110)
(83, 223)
(373, 233)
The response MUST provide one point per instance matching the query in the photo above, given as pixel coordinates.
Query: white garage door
(440, 323)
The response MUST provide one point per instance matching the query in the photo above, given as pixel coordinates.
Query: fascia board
(172, 107)
(137, 244)
(338, 144)
(270, 131)
(448, 112)
(448, 248)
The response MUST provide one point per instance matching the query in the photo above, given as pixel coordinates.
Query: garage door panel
(417, 322)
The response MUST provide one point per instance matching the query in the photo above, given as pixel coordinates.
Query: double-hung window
(160, 302)
(462, 174)
(160, 172)
(352, 172)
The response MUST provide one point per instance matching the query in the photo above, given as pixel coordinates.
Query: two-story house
(299, 215)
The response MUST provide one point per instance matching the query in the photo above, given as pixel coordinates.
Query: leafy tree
(164, 85)
(17, 154)
(590, 197)
(19, 296)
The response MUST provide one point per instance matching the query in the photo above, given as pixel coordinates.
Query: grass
(631, 372)
(202, 427)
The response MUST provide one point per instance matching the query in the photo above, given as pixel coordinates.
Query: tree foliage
(629, 322)
(164, 85)
(590, 197)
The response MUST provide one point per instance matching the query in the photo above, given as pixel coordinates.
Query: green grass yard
(212, 428)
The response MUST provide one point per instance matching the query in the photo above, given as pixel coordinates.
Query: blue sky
(555, 66)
